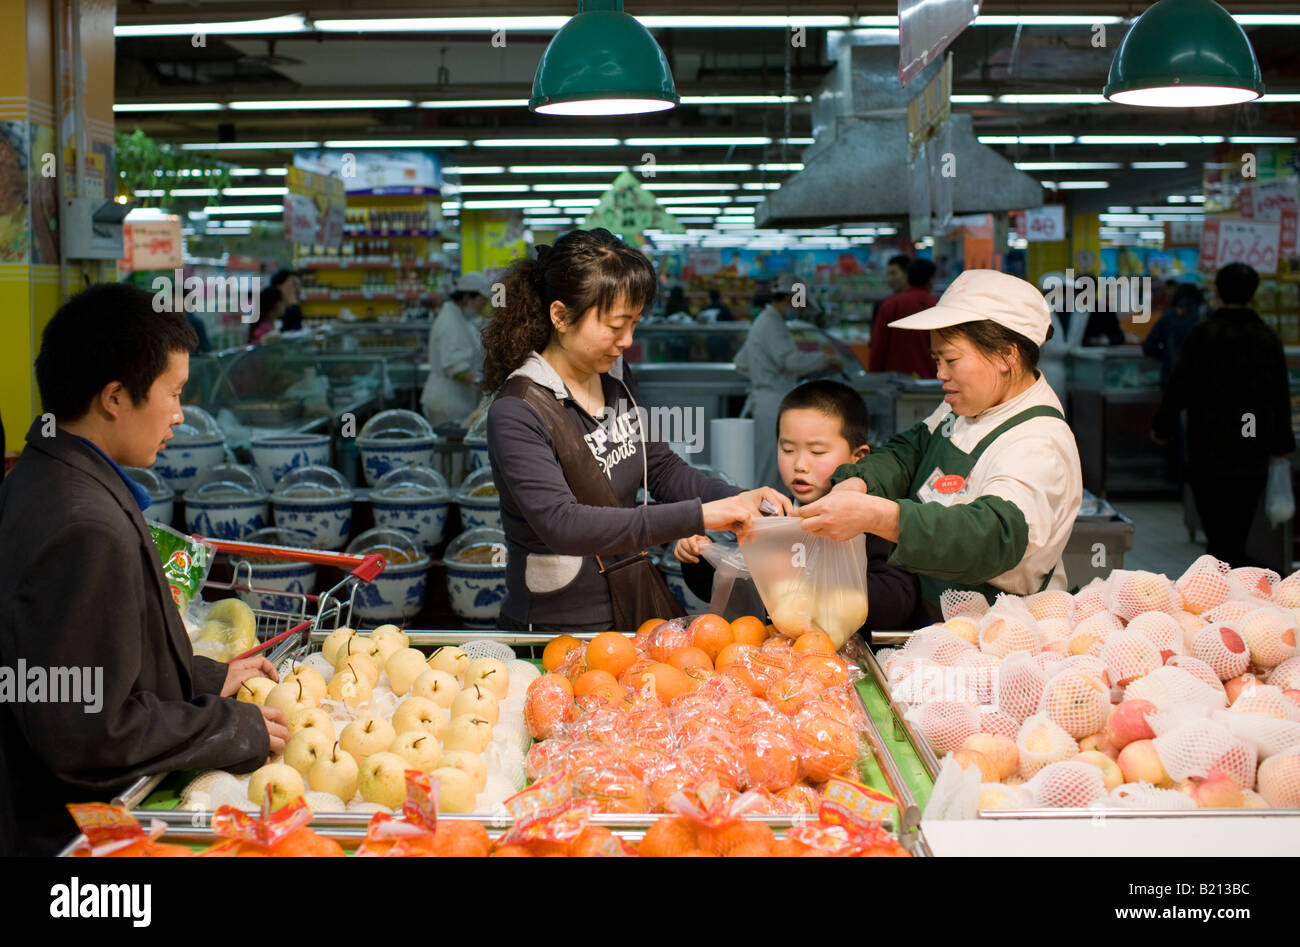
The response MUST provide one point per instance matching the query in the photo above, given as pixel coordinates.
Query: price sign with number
(1253, 242)
(1045, 223)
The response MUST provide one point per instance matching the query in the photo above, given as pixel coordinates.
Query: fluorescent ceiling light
(473, 103)
(1151, 235)
(788, 166)
(572, 188)
(1026, 139)
(254, 191)
(522, 202)
(167, 107)
(1158, 165)
(695, 220)
(1082, 185)
(694, 186)
(605, 106)
(240, 209)
(1119, 210)
(1263, 140)
(693, 209)
(742, 211)
(1046, 20)
(284, 105)
(971, 99)
(761, 185)
(249, 145)
(711, 199)
(1267, 19)
(567, 168)
(397, 143)
(576, 201)
(550, 221)
(742, 99)
(1068, 165)
(696, 168)
(1280, 97)
(744, 22)
(292, 23)
(1185, 97)
(796, 141)
(256, 172)
(443, 24)
(477, 170)
(493, 188)
(1053, 98)
(1196, 198)
(1177, 198)
(1171, 210)
(688, 142)
(546, 142)
(748, 199)
(1150, 139)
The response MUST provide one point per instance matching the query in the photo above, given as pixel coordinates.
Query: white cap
(474, 282)
(785, 283)
(987, 294)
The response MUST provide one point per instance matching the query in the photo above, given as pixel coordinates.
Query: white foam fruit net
(1199, 746)
(1004, 630)
(1286, 675)
(1270, 635)
(940, 644)
(1084, 664)
(995, 797)
(1204, 585)
(1046, 660)
(1052, 604)
(1167, 686)
(1146, 796)
(1231, 611)
(484, 648)
(979, 672)
(1287, 592)
(944, 724)
(965, 627)
(1249, 582)
(1090, 599)
(995, 721)
(1162, 630)
(1054, 630)
(1067, 785)
(1269, 735)
(1199, 670)
(1279, 780)
(955, 795)
(1041, 742)
(1076, 702)
(1091, 633)
(1223, 648)
(1266, 700)
(1132, 593)
(1020, 684)
(1128, 656)
(954, 602)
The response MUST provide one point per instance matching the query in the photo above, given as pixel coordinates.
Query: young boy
(821, 425)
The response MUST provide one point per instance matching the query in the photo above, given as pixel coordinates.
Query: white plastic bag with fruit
(808, 582)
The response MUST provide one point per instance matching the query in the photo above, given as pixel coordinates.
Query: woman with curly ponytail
(569, 443)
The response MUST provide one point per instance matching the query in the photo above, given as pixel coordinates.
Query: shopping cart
(286, 629)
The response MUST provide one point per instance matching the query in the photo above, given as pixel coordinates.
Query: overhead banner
(628, 210)
(926, 28)
(151, 245)
(314, 209)
(377, 172)
(930, 169)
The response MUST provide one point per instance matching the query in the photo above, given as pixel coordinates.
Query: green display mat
(896, 745)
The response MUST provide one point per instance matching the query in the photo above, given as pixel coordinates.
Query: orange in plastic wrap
(588, 681)
(747, 708)
(592, 842)
(814, 642)
(612, 696)
(829, 669)
(733, 654)
(739, 839)
(828, 745)
(283, 833)
(548, 703)
(648, 626)
(613, 788)
(610, 652)
(673, 779)
(645, 761)
(631, 675)
(690, 659)
(770, 757)
(546, 757)
(748, 630)
(669, 683)
(511, 851)
(792, 692)
(710, 633)
(666, 639)
(558, 649)
(670, 837)
(715, 756)
(800, 798)
(461, 840)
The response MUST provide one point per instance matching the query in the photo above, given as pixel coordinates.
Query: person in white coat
(774, 364)
(456, 353)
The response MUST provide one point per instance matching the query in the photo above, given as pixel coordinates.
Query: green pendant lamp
(1184, 54)
(603, 62)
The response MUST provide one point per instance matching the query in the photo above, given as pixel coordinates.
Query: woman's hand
(239, 671)
(689, 549)
(729, 515)
(841, 515)
(775, 497)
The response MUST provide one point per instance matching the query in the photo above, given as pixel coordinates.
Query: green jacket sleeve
(969, 543)
(889, 471)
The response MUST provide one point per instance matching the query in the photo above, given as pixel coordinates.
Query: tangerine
(548, 703)
(829, 669)
(593, 841)
(828, 745)
(666, 639)
(614, 789)
(688, 659)
(741, 839)
(710, 633)
(800, 798)
(770, 757)
(557, 649)
(648, 626)
(815, 642)
(461, 840)
(748, 630)
(670, 781)
(669, 683)
(669, 837)
(590, 680)
(612, 652)
(792, 692)
(732, 654)
(632, 674)
(698, 853)
(511, 851)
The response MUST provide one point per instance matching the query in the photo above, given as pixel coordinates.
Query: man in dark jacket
(1231, 378)
(83, 599)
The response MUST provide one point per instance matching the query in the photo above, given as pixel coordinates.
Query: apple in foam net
(403, 668)
(420, 713)
(289, 696)
(311, 718)
(283, 780)
(381, 777)
(476, 701)
(452, 660)
(1111, 774)
(437, 686)
(471, 764)
(368, 734)
(490, 673)
(305, 747)
(1128, 722)
(999, 750)
(421, 750)
(334, 642)
(1099, 743)
(254, 690)
(335, 773)
(1217, 791)
(456, 792)
(1140, 763)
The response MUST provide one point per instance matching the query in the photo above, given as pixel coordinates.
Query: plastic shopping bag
(1279, 501)
(808, 582)
(734, 594)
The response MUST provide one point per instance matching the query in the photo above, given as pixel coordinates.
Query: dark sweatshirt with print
(552, 578)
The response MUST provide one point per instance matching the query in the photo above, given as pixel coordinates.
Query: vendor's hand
(838, 515)
(277, 728)
(852, 485)
(689, 549)
(774, 497)
(239, 671)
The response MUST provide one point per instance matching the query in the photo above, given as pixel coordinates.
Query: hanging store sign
(151, 245)
(314, 209)
(926, 28)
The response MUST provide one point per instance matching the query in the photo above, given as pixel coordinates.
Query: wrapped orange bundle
(112, 832)
(419, 833)
(284, 833)
(848, 825)
(551, 822)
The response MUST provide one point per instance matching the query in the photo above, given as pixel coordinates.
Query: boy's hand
(689, 549)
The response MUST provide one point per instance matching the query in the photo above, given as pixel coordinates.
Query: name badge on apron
(944, 488)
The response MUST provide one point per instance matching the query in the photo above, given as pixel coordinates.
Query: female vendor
(981, 495)
(567, 320)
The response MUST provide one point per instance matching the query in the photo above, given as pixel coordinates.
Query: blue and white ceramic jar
(479, 502)
(273, 457)
(393, 439)
(315, 500)
(476, 576)
(415, 500)
(396, 594)
(258, 579)
(197, 445)
(228, 502)
(161, 496)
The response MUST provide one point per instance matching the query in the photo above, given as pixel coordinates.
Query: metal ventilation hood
(856, 168)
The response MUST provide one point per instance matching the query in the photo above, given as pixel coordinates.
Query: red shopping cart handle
(272, 642)
(364, 567)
